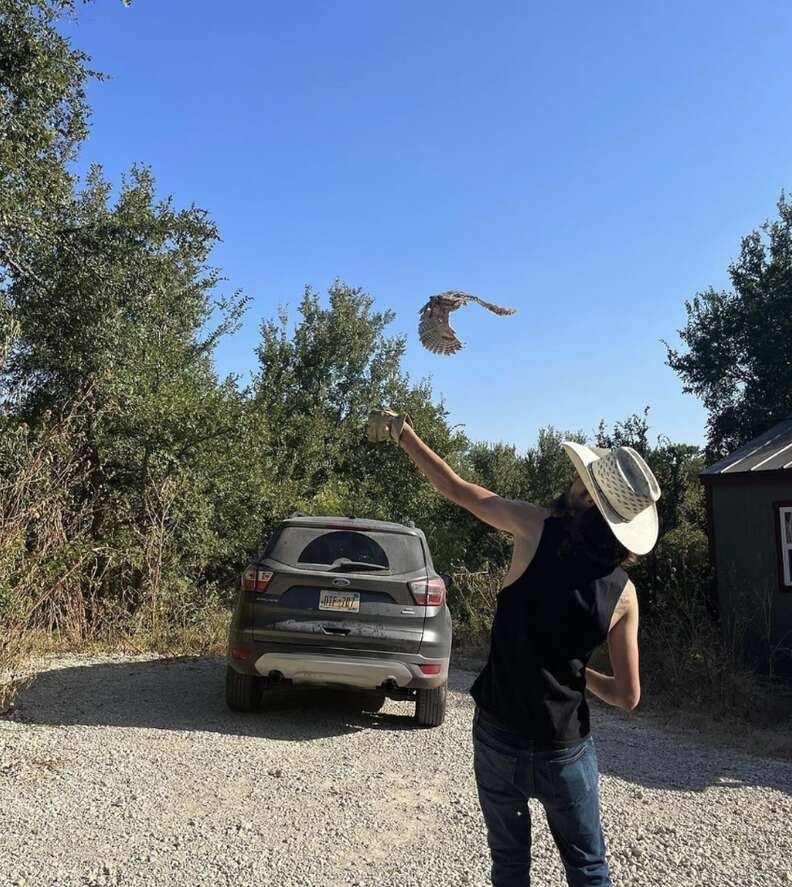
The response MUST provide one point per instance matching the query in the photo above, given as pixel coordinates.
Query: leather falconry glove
(386, 425)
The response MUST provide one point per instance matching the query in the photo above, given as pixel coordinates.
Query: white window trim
(786, 545)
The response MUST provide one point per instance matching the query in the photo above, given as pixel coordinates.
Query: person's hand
(386, 425)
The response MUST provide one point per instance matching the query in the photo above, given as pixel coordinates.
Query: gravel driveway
(132, 771)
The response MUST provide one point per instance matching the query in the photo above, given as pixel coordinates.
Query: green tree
(739, 342)
(549, 468)
(630, 432)
(313, 392)
(119, 317)
(43, 120)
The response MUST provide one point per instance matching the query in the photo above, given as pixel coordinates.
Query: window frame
(782, 547)
(417, 561)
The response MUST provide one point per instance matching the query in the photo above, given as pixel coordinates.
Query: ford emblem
(341, 581)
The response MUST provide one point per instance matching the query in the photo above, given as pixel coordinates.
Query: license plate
(343, 601)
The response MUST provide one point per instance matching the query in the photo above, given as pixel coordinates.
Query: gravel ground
(132, 771)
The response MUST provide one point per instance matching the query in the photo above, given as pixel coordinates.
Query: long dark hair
(587, 535)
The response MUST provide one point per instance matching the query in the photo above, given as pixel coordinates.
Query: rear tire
(243, 691)
(430, 706)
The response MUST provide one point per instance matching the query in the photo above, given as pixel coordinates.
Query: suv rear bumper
(366, 673)
(364, 670)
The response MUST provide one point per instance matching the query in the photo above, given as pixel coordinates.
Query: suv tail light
(254, 579)
(428, 592)
(241, 653)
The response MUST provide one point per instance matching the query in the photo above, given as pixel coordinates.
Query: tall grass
(60, 588)
(41, 544)
(472, 599)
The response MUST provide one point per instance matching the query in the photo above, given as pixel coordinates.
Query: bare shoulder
(532, 517)
(627, 603)
(535, 513)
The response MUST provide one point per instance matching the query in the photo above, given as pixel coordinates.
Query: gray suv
(342, 602)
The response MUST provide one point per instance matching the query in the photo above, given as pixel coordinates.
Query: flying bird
(434, 330)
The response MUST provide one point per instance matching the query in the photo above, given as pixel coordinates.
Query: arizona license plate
(344, 601)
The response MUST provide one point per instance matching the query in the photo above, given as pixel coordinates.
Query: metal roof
(771, 451)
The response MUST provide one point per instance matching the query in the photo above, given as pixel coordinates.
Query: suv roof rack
(298, 514)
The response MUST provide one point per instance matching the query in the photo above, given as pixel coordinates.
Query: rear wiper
(344, 565)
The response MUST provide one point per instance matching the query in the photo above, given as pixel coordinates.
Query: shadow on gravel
(190, 695)
(635, 751)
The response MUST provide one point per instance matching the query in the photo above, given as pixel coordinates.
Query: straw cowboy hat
(623, 488)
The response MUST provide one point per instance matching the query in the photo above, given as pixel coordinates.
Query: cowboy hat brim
(638, 535)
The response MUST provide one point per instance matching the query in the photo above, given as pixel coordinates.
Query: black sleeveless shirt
(547, 624)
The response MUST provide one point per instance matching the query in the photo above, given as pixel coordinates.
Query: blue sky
(592, 165)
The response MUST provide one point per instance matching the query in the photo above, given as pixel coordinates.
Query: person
(565, 593)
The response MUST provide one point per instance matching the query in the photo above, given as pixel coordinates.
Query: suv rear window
(319, 548)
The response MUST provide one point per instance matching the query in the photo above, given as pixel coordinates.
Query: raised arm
(515, 517)
(623, 688)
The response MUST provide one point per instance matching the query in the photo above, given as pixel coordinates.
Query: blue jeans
(510, 769)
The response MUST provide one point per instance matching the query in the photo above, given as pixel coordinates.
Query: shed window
(785, 536)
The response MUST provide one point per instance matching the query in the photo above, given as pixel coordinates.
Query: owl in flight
(434, 330)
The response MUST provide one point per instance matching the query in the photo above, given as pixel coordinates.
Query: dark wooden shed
(749, 506)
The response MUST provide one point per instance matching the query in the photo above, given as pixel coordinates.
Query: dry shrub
(65, 586)
(14, 654)
(43, 543)
(472, 599)
(685, 660)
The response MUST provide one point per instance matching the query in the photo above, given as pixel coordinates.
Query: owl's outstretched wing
(435, 331)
